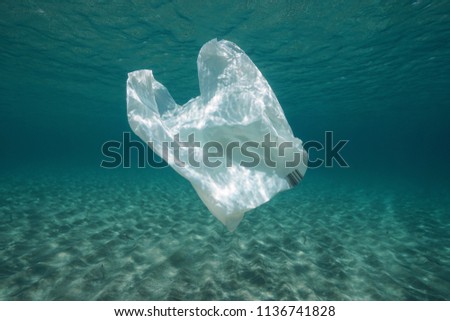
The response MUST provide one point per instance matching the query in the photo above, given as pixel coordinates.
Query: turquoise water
(375, 72)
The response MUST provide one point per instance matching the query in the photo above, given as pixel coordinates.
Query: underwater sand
(145, 235)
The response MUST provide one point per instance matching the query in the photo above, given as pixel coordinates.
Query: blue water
(376, 73)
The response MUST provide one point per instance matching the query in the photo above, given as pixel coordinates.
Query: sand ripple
(119, 235)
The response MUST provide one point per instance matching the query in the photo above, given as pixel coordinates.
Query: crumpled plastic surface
(236, 104)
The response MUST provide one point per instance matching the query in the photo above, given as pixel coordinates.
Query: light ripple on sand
(124, 236)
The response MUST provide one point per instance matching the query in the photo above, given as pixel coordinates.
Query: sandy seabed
(134, 235)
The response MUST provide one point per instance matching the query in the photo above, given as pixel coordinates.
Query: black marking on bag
(294, 178)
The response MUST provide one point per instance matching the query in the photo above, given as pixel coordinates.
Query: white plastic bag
(237, 107)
